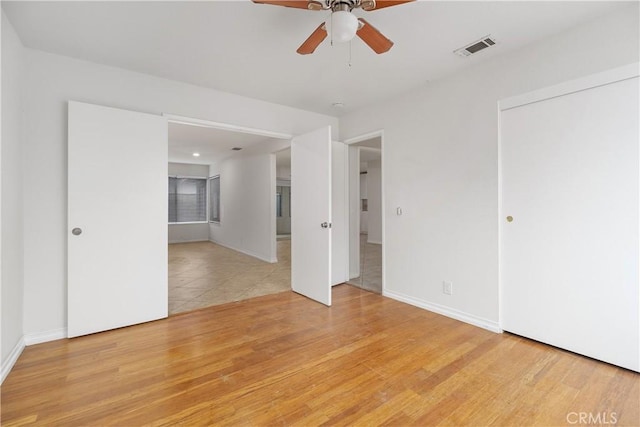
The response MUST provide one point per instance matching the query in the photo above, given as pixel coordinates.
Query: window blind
(187, 199)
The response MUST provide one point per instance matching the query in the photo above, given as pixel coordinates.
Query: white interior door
(569, 226)
(311, 215)
(117, 221)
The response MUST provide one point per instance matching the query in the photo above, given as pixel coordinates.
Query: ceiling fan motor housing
(342, 25)
(339, 5)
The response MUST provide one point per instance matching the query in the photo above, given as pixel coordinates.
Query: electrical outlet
(447, 288)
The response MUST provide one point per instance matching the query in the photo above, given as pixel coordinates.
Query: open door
(311, 215)
(117, 221)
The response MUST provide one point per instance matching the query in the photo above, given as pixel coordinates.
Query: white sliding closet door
(117, 224)
(570, 219)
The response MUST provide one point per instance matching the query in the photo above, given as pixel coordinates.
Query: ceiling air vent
(476, 46)
(236, 149)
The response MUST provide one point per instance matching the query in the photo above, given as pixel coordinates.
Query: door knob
(509, 218)
(76, 231)
(325, 225)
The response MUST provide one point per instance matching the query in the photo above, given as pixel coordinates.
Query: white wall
(54, 79)
(374, 195)
(184, 233)
(441, 164)
(247, 205)
(188, 170)
(283, 173)
(11, 155)
(181, 233)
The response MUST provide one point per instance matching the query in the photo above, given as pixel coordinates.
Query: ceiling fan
(342, 24)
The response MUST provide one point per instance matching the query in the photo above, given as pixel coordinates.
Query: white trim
(480, 322)
(188, 222)
(383, 215)
(45, 336)
(347, 214)
(187, 176)
(374, 242)
(364, 137)
(273, 218)
(260, 257)
(572, 86)
(175, 242)
(16, 351)
(500, 216)
(354, 140)
(174, 118)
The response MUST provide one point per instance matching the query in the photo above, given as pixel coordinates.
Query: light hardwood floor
(203, 274)
(284, 360)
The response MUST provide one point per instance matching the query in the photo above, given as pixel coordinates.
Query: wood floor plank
(283, 359)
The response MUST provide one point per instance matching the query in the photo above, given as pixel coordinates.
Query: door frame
(348, 142)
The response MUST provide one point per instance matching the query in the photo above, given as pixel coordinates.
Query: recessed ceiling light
(337, 104)
(196, 154)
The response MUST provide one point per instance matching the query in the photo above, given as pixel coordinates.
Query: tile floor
(203, 274)
(370, 266)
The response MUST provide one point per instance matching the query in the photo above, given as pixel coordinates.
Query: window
(187, 199)
(214, 199)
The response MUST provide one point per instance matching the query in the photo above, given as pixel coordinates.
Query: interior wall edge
(11, 359)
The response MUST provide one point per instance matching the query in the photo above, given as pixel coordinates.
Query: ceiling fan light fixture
(342, 26)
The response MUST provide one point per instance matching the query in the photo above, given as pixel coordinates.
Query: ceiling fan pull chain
(350, 44)
(331, 29)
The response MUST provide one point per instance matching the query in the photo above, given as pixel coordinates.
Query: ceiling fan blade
(373, 38)
(314, 40)
(298, 4)
(387, 3)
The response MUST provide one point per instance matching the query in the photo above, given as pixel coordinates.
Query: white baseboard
(446, 311)
(7, 365)
(45, 336)
(174, 242)
(260, 257)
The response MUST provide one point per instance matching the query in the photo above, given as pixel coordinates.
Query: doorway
(227, 252)
(365, 200)
(283, 195)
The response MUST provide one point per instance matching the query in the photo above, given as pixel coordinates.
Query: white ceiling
(249, 49)
(213, 145)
